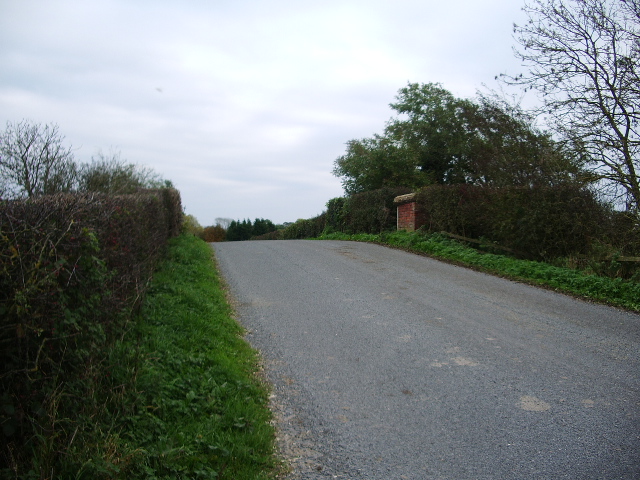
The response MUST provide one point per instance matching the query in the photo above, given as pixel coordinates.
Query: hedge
(540, 223)
(73, 269)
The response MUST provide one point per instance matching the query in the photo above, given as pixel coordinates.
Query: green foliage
(437, 138)
(336, 214)
(73, 267)
(245, 230)
(191, 225)
(113, 175)
(372, 211)
(431, 127)
(310, 228)
(374, 163)
(614, 291)
(262, 226)
(507, 150)
(539, 223)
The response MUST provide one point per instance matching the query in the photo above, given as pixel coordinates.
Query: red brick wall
(407, 217)
(409, 214)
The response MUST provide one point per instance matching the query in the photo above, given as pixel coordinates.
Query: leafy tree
(583, 59)
(34, 161)
(506, 149)
(373, 163)
(431, 127)
(438, 138)
(215, 233)
(112, 174)
(191, 225)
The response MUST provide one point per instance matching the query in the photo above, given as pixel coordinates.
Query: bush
(310, 228)
(540, 223)
(191, 225)
(214, 234)
(337, 214)
(367, 212)
(74, 267)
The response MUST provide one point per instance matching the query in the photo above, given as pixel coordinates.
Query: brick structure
(409, 216)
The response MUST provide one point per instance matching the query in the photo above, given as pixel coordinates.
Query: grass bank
(198, 409)
(613, 291)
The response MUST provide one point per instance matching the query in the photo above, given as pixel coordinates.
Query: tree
(438, 138)
(223, 222)
(239, 230)
(191, 225)
(34, 161)
(262, 226)
(110, 173)
(432, 129)
(373, 163)
(214, 234)
(507, 149)
(583, 59)
(245, 230)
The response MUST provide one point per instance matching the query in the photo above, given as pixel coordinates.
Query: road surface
(389, 365)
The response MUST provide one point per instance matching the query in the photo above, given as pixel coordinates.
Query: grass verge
(612, 291)
(198, 410)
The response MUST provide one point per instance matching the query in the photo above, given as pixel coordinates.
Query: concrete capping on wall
(409, 214)
(401, 199)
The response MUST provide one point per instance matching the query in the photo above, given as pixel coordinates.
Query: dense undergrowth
(73, 271)
(582, 283)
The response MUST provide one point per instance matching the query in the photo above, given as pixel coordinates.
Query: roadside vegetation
(198, 410)
(583, 283)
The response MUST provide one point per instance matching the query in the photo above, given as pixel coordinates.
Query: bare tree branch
(583, 59)
(34, 161)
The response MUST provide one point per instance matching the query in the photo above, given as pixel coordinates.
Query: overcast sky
(243, 104)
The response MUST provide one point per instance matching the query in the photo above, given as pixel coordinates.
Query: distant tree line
(245, 230)
(226, 229)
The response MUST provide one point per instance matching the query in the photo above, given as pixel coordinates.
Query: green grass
(198, 410)
(613, 291)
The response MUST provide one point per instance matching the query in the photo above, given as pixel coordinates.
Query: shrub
(73, 267)
(310, 228)
(540, 223)
(214, 234)
(191, 225)
(336, 214)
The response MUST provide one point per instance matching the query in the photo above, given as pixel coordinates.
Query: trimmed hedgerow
(73, 268)
(540, 223)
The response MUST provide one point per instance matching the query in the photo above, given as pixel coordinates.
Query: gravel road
(389, 365)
